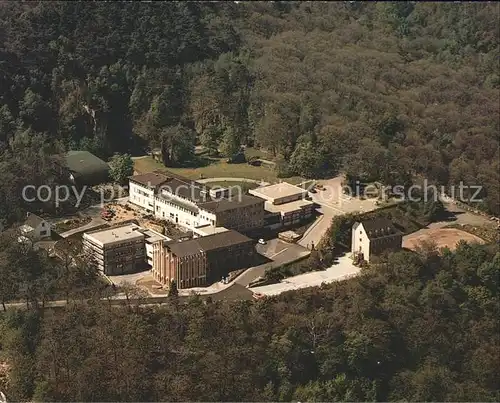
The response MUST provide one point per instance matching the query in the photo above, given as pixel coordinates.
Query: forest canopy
(415, 328)
(379, 90)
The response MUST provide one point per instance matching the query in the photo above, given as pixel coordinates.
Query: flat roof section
(209, 230)
(208, 243)
(277, 191)
(285, 208)
(153, 236)
(230, 203)
(128, 232)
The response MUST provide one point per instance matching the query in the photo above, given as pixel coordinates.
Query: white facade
(149, 253)
(151, 237)
(181, 211)
(42, 230)
(142, 196)
(169, 207)
(360, 241)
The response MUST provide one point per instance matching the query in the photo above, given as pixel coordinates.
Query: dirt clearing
(443, 237)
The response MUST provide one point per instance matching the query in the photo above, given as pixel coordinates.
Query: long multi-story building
(201, 261)
(142, 189)
(192, 204)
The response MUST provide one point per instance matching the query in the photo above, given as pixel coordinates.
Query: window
(44, 232)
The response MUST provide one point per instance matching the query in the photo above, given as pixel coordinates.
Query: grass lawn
(244, 186)
(217, 168)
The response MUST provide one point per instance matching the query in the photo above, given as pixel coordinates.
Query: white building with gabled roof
(35, 228)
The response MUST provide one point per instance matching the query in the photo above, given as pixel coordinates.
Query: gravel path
(208, 180)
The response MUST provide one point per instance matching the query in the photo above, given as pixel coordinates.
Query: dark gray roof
(187, 189)
(177, 202)
(379, 227)
(150, 179)
(217, 206)
(33, 220)
(175, 184)
(207, 243)
(83, 164)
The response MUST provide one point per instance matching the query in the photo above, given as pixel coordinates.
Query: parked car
(107, 214)
(261, 241)
(313, 191)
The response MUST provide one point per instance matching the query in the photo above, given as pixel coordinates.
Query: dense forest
(415, 328)
(381, 91)
(392, 92)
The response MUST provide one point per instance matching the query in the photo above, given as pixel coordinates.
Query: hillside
(415, 329)
(387, 91)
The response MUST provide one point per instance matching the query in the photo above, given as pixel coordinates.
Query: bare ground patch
(443, 237)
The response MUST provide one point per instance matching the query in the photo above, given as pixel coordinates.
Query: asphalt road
(318, 228)
(235, 292)
(340, 270)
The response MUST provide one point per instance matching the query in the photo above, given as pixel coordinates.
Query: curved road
(208, 180)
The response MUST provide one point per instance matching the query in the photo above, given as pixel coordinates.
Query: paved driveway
(332, 203)
(273, 247)
(340, 270)
(128, 278)
(316, 231)
(460, 216)
(279, 252)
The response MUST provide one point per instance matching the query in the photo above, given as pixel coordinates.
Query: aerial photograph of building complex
(249, 201)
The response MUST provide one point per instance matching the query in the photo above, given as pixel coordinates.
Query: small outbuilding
(86, 169)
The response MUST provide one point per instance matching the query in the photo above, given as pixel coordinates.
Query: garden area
(208, 167)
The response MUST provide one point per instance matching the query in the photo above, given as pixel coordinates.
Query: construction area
(442, 237)
(116, 213)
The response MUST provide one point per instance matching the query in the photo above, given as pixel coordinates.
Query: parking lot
(273, 248)
(333, 197)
